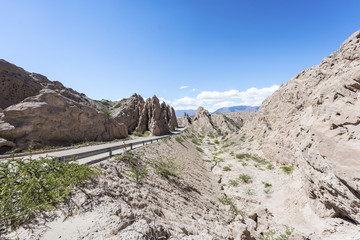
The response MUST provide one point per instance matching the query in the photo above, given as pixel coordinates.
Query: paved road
(138, 142)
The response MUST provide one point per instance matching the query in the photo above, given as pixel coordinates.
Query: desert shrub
(234, 182)
(165, 139)
(244, 164)
(227, 168)
(106, 111)
(229, 201)
(118, 105)
(272, 234)
(179, 139)
(216, 142)
(194, 141)
(105, 103)
(29, 186)
(138, 169)
(267, 185)
(137, 134)
(245, 178)
(270, 166)
(211, 136)
(243, 155)
(232, 153)
(287, 169)
(200, 149)
(165, 166)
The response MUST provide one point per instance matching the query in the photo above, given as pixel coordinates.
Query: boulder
(51, 119)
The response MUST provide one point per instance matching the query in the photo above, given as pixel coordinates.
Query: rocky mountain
(218, 123)
(236, 108)
(36, 110)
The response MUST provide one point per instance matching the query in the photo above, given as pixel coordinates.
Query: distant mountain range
(191, 112)
(180, 113)
(236, 108)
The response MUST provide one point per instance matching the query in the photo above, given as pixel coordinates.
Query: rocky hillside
(36, 110)
(312, 122)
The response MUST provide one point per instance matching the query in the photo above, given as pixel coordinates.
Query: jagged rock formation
(47, 113)
(155, 117)
(129, 111)
(313, 123)
(217, 123)
(143, 116)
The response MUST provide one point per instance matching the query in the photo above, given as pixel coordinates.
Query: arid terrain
(291, 170)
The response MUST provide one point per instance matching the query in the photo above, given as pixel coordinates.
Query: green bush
(287, 169)
(229, 201)
(243, 155)
(166, 167)
(137, 134)
(118, 105)
(227, 168)
(272, 234)
(270, 166)
(194, 141)
(138, 169)
(105, 103)
(216, 142)
(234, 182)
(200, 149)
(29, 186)
(267, 185)
(106, 111)
(245, 178)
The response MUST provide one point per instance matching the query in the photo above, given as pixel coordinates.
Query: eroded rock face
(129, 111)
(51, 119)
(158, 118)
(46, 112)
(15, 84)
(313, 123)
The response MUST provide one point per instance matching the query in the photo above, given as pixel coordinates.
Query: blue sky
(222, 52)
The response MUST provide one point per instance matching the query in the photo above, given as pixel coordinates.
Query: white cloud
(183, 87)
(194, 89)
(213, 100)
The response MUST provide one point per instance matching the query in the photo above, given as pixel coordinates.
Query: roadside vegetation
(30, 186)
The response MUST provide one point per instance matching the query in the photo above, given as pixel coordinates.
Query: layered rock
(313, 123)
(128, 111)
(157, 118)
(51, 119)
